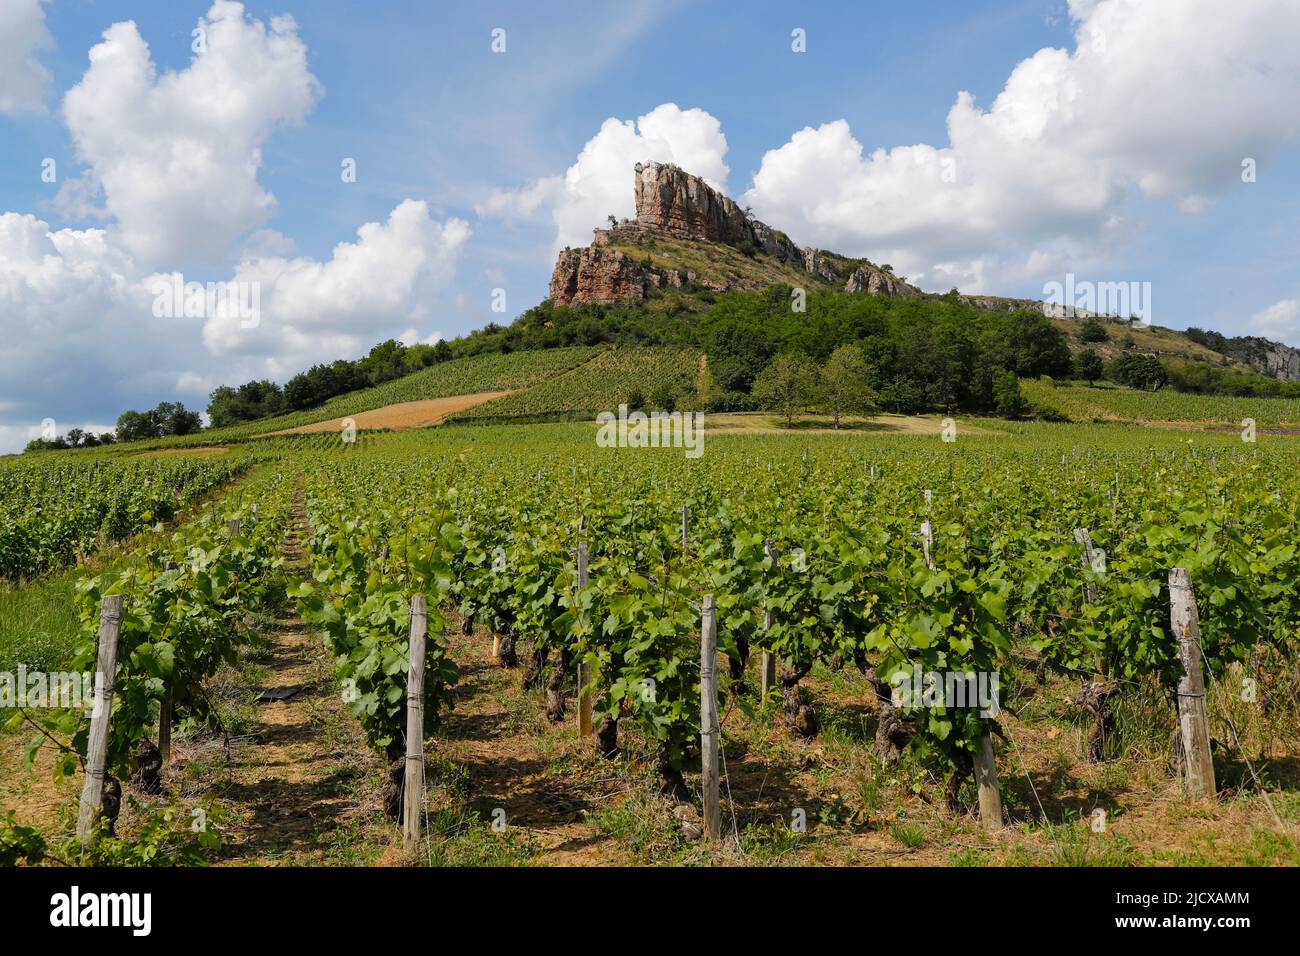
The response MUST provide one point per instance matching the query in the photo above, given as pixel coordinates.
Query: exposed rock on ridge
(672, 202)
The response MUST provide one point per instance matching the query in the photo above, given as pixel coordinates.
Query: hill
(493, 372)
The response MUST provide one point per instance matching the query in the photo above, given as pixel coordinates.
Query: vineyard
(602, 383)
(480, 373)
(1115, 404)
(1035, 564)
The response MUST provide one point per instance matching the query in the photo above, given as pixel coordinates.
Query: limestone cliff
(671, 202)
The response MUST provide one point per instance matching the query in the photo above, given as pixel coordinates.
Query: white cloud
(599, 183)
(177, 155)
(1280, 321)
(313, 310)
(23, 80)
(178, 158)
(1159, 98)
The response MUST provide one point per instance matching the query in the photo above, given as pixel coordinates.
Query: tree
(135, 426)
(788, 385)
(1139, 371)
(844, 383)
(664, 398)
(1007, 399)
(1093, 331)
(1088, 365)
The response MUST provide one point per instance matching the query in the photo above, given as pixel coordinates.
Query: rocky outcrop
(877, 282)
(672, 201)
(597, 274)
(815, 262)
(1269, 358)
(600, 274)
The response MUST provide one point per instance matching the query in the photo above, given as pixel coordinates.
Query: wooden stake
(165, 711)
(686, 516)
(586, 726)
(413, 790)
(767, 671)
(92, 790)
(1193, 721)
(709, 731)
(986, 779)
(234, 527)
(165, 727)
(927, 542)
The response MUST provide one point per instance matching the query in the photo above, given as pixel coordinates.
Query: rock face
(597, 274)
(601, 274)
(876, 282)
(672, 202)
(815, 262)
(1269, 358)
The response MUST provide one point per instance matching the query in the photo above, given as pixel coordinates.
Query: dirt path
(293, 785)
(541, 774)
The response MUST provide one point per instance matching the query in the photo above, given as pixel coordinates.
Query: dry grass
(429, 411)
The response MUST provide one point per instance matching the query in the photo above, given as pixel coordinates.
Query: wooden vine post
(413, 788)
(709, 731)
(234, 527)
(1193, 720)
(927, 543)
(686, 518)
(585, 675)
(986, 780)
(767, 678)
(92, 790)
(165, 711)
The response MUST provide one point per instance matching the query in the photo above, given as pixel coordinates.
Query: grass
(38, 623)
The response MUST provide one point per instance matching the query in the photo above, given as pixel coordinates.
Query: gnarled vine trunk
(147, 775)
(607, 737)
(893, 731)
(1095, 699)
(555, 686)
(535, 666)
(506, 654)
(799, 716)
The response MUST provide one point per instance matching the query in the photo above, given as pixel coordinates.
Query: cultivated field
(270, 608)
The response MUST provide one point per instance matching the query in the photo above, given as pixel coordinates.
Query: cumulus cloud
(1280, 321)
(314, 309)
(23, 80)
(599, 183)
(176, 160)
(178, 155)
(1159, 98)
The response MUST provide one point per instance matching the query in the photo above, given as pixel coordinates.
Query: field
(601, 384)
(1115, 404)
(466, 376)
(890, 550)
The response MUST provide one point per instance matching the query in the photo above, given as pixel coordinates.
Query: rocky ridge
(672, 202)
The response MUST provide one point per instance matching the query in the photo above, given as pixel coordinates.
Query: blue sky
(1118, 162)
